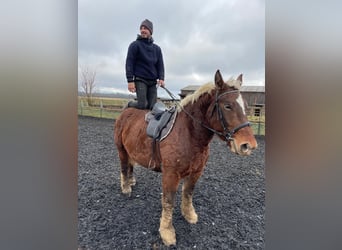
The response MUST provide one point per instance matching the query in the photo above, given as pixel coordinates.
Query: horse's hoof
(189, 214)
(127, 191)
(168, 236)
(132, 181)
(191, 218)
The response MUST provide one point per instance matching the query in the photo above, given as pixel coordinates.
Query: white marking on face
(239, 100)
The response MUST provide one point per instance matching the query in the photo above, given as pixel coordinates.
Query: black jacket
(145, 60)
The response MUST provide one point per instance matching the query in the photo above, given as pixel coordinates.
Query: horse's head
(228, 116)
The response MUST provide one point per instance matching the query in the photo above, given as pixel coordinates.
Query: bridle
(227, 134)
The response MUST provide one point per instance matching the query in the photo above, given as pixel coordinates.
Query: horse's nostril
(245, 147)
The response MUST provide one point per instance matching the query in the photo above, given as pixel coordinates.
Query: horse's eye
(227, 106)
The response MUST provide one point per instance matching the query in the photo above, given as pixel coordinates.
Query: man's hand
(161, 83)
(131, 87)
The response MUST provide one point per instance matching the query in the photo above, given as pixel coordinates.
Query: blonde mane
(206, 88)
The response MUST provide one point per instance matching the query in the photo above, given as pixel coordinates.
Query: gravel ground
(229, 199)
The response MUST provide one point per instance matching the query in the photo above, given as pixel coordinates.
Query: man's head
(145, 27)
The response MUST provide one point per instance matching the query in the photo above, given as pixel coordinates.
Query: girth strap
(156, 157)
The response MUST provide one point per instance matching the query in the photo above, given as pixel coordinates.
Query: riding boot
(132, 104)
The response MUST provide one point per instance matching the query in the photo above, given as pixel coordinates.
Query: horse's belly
(140, 152)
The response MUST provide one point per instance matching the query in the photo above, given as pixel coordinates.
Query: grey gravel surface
(229, 198)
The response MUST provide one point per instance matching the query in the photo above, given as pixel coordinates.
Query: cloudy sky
(197, 37)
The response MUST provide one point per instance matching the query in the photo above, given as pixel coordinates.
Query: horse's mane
(207, 88)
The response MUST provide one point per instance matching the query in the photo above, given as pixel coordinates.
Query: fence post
(81, 107)
(259, 122)
(101, 106)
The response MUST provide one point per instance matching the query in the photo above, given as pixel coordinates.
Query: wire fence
(102, 109)
(258, 123)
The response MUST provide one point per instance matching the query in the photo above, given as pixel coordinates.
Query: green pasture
(109, 108)
(98, 101)
(98, 112)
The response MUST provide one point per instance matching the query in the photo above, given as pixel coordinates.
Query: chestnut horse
(213, 109)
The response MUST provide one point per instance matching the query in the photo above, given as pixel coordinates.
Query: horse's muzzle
(244, 148)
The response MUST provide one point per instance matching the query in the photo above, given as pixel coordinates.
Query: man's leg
(141, 91)
(151, 96)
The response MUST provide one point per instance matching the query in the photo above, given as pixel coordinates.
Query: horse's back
(129, 119)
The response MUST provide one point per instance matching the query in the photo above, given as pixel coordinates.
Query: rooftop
(244, 88)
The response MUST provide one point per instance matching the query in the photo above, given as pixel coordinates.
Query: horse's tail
(118, 126)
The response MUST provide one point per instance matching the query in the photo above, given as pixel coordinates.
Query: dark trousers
(146, 91)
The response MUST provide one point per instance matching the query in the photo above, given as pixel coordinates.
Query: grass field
(103, 107)
(110, 108)
(104, 101)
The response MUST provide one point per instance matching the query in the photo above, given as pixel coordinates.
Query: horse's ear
(239, 78)
(218, 79)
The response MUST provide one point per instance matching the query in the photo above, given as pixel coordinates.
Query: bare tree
(88, 82)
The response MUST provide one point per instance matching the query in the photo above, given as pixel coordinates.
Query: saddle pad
(167, 129)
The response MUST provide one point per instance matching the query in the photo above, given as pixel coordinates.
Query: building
(255, 98)
(188, 90)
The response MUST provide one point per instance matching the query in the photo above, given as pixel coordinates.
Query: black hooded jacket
(145, 60)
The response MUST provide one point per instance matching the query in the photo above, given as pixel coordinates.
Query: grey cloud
(196, 36)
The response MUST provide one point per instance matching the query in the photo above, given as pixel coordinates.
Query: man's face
(144, 32)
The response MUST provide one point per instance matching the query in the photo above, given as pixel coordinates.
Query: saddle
(160, 122)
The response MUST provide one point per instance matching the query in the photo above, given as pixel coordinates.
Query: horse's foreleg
(166, 229)
(188, 210)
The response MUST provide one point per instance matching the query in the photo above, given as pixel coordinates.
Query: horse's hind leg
(131, 178)
(188, 210)
(127, 178)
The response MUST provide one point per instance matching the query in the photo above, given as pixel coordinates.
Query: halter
(227, 134)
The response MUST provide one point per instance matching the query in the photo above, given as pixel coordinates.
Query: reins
(227, 134)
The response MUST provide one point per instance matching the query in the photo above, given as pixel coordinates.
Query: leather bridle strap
(227, 134)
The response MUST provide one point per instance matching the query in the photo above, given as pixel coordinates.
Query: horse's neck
(194, 123)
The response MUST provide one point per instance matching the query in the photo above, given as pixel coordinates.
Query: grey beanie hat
(148, 24)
